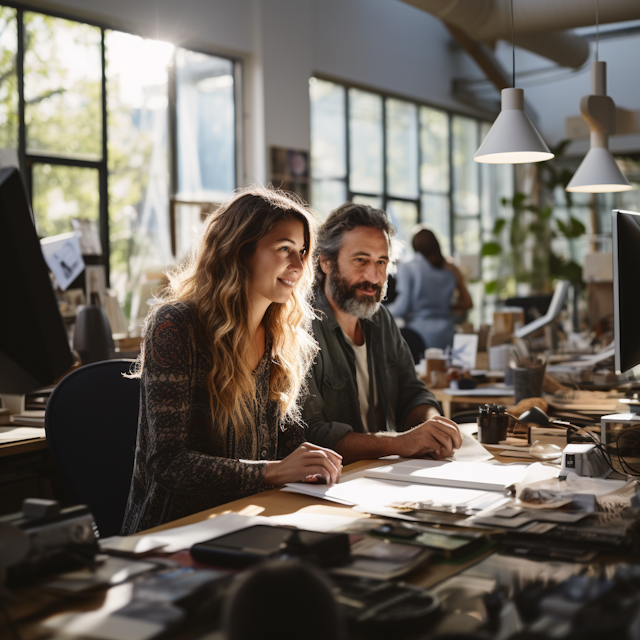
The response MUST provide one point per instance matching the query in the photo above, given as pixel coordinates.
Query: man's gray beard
(346, 298)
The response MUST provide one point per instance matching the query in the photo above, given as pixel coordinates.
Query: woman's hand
(308, 463)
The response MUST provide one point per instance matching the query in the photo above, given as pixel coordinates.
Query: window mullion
(103, 171)
(22, 127)
(347, 143)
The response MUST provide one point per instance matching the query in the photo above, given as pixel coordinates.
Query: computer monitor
(555, 307)
(626, 289)
(34, 349)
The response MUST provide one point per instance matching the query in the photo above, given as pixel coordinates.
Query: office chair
(91, 422)
(415, 342)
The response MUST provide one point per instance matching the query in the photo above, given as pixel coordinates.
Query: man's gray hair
(345, 218)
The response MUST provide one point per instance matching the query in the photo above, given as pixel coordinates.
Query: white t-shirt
(362, 380)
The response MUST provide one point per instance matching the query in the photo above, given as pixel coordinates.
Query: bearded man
(365, 399)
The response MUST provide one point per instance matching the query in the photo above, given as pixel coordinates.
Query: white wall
(389, 45)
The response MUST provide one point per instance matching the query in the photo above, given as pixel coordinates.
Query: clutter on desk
(152, 604)
(44, 539)
(377, 609)
(257, 543)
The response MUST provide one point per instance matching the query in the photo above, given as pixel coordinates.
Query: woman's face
(276, 264)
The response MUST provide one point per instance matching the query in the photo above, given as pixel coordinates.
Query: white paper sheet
(15, 434)
(63, 256)
(471, 450)
(313, 521)
(485, 476)
(172, 540)
(373, 493)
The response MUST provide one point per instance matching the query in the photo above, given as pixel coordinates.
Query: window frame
(27, 160)
(386, 196)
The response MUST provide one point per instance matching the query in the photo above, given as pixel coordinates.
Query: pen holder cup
(527, 382)
(492, 427)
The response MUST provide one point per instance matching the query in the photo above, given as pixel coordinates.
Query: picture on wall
(290, 170)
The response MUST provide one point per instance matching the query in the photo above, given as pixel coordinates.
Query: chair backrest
(415, 342)
(91, 424)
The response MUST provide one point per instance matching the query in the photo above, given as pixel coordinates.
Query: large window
(413, 160)
(106, 125)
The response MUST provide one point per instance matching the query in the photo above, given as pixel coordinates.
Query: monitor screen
(34, 349)
(555, 307)
(626, 291)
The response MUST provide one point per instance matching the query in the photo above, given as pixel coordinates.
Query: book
(29, 418)
(485, 476)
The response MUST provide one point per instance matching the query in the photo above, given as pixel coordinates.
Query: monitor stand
(628, 419)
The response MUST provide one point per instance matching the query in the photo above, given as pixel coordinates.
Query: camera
(44, 539)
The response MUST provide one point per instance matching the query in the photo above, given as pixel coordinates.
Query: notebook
(485, 476)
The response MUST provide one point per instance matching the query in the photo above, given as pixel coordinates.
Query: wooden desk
(276, 502)
(450, 404)
(22, 446)
(33, 605)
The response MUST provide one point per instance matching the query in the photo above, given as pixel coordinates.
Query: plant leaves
(498, 226)
(491, 249)
(491, 287)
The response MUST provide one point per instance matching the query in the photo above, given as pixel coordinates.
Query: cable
(513, 50)
(597, 31)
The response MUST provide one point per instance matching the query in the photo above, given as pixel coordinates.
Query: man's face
(357, 282)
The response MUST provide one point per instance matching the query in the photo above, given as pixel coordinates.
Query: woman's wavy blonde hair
(215, 282)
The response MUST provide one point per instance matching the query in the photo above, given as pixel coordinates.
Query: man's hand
(437, 437)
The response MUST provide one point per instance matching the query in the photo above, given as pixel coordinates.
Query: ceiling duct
(539, 24)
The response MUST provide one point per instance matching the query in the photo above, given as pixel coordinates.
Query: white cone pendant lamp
(598, 172)
(512, 139)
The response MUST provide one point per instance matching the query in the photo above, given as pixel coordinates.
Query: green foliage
(491, 249)
(524, 243)
(491, 287)
(498, 226)
(574, 229)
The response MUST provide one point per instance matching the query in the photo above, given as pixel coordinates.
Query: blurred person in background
(426, 289)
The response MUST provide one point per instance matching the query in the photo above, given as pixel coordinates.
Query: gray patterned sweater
(185, 462)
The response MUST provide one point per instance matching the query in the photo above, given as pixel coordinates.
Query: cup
(499, 357)
(527, 381)
(436, 364)
(493, 423)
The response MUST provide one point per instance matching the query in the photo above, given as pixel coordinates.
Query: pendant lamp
(598, 172)
(512, 139)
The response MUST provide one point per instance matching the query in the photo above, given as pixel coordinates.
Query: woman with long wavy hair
(224, 360)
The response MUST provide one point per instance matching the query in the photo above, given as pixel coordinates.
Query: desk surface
(22, 446)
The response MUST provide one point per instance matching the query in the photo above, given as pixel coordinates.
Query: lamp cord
(597, 31)
(513, 49)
